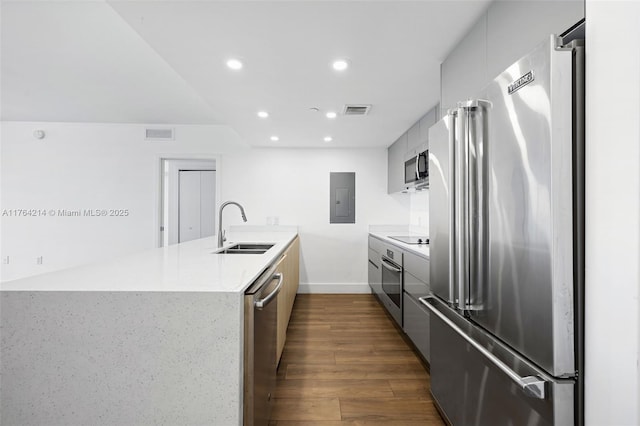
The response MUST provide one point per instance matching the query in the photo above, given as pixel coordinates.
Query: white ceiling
(163, 62)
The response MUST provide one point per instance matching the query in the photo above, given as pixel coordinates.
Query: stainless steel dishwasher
(260, 328)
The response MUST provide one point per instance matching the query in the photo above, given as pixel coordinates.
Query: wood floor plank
(387, 408)
(306, 409)
(356, 422)
(356, 371)
(375, 357)
(302, 355)
(337, 346)
(333, 388)
(410, 388)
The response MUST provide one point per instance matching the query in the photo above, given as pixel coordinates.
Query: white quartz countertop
(418, 249)
(186, 267)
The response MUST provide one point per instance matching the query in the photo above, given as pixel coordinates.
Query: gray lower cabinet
(412, 316)
(375, 273)
(375, 281)
(416, 325)
(396, 154)
(415, 316)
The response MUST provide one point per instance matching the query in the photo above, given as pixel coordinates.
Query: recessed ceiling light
(234, 64)
(328, 138)
(274, 138)
(331, 114)
(340, 64)
(263, 114)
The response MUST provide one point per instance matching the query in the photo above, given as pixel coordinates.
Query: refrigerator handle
(476, 208)
(533, 386)
(461, 191)
(452, 207)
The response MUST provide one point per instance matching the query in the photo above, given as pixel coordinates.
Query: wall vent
(159, 134)
(356, 109)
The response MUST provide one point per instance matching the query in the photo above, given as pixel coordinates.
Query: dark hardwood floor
(345, 363)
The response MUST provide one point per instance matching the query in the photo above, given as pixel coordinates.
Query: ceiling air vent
(159, 134)
(356, 109)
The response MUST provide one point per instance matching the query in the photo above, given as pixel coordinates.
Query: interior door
(196, 204)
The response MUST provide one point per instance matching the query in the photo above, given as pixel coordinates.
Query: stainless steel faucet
(221, 237)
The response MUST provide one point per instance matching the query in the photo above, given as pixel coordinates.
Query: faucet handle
(224, 236)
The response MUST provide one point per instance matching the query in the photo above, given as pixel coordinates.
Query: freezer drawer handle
(533, 386)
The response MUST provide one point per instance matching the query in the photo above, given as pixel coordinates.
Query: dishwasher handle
(533, 386)
(261, 303)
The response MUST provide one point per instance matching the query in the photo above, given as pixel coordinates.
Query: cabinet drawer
(375, 277)
(416, 325)
(417, 266)
(415, 287)
(375, 245)
(374, 257)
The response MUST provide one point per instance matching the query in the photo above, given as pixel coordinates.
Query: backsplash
(419, 212)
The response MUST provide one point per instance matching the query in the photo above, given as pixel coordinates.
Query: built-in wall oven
(391, 296)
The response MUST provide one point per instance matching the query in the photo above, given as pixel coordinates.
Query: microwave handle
(418, 167)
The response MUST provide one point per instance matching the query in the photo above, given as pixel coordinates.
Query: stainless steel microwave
(416, 170)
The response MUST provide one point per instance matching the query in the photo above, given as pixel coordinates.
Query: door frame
(186, 162)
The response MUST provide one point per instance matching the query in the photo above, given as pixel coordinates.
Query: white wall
(419, 212)
(86, 166)
(612, 213)
(110, 166)
(293, 185)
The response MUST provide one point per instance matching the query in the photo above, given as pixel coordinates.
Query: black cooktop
(412, 240)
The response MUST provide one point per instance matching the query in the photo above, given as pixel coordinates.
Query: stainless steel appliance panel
(472, 390)
(392, 286)
(441, 246)
(260, 364)
(528, 299)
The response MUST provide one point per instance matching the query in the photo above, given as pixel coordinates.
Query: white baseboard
(334, 288)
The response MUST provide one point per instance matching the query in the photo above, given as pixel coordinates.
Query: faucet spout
(221, 237)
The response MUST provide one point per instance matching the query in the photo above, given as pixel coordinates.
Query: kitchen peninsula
(151, 338)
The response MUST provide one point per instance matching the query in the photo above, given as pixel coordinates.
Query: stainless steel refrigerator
(506, 230)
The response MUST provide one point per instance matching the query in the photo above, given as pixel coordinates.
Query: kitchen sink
(246, 248)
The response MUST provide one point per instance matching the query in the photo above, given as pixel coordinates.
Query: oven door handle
(388, 266)
(260, 304)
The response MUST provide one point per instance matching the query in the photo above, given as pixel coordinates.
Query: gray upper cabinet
(516, 28)
(411, 143)
(464, 72)
(503, 34)
(428, 120)
(395, 167)
(413, 140)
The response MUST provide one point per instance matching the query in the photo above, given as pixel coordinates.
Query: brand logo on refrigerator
(521, 82)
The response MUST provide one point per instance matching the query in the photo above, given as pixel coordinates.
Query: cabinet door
(374, 272)
(395, 164)
(416, 324)
(281, 333)
(413, 140)
(418, 266)
(290, 267)
(428, 120)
